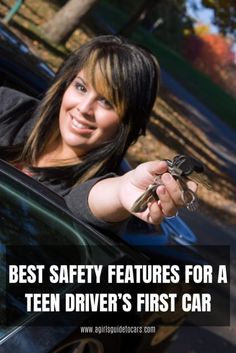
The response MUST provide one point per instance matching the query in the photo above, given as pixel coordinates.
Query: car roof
(17, 59)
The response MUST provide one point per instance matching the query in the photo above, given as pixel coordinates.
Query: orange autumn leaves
(212, 54)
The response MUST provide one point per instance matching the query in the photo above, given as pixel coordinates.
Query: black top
(16, 122)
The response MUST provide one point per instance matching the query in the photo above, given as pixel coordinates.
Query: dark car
(36, 225)
(19, 67)
(37, 228)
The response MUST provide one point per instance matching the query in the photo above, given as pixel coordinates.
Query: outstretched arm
(111, 199)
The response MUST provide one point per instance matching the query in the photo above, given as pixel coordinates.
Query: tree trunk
(62, 25)
(138, 17)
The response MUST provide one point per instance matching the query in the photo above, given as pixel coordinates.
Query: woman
(98, 105)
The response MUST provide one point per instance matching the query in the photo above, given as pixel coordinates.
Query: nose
(85, 106)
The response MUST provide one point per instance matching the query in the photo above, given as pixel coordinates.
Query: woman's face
(86, 119)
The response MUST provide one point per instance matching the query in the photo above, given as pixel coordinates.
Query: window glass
(34, 231)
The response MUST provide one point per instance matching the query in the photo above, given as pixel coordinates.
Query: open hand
(169, 194)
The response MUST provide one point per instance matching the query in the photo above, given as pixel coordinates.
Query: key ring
(157, 180)
(189, 200)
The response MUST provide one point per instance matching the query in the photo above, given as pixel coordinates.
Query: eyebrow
(80, 78)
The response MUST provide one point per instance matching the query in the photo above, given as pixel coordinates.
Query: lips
(79, 125)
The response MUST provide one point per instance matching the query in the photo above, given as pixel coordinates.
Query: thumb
(156, 167)
(145, 172)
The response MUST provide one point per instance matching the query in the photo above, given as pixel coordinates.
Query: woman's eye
(80, 87)
(105, 102)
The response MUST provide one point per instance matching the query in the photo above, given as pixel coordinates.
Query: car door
(36, 227)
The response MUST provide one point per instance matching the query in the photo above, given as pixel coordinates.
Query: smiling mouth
(76, 124)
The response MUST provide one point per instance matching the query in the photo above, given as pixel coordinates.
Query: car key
(177, 167)
(182, 168)
(187, 195)
(149, 195)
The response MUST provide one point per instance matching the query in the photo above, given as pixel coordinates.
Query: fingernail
(167, 177)
(161, 190)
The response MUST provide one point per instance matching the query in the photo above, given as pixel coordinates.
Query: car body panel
(19, 67)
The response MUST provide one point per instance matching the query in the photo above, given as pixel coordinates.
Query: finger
(168, 206)
(151, 168)
(192, 186)
(157, 167)
(156, 215)
(144, 174)
(173, 189)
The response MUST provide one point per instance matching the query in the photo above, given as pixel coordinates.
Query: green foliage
(175, 22)
(172, 15)
(127, 6)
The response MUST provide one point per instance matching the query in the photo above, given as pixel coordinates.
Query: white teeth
(79, 125)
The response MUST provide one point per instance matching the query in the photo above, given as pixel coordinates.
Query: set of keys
(182, 168)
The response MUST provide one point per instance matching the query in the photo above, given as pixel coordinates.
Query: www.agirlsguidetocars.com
(117, 329)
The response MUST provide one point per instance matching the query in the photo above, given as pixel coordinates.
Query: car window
(30, 219)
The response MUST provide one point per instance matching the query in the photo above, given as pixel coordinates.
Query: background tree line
(170, 23)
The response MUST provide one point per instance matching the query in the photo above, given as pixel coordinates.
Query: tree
(213, 55)
(167, 18)
(224, 14)
(142, 12)
(62, 25)
(175, 22)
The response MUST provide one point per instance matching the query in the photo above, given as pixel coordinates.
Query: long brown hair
(124, 73)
